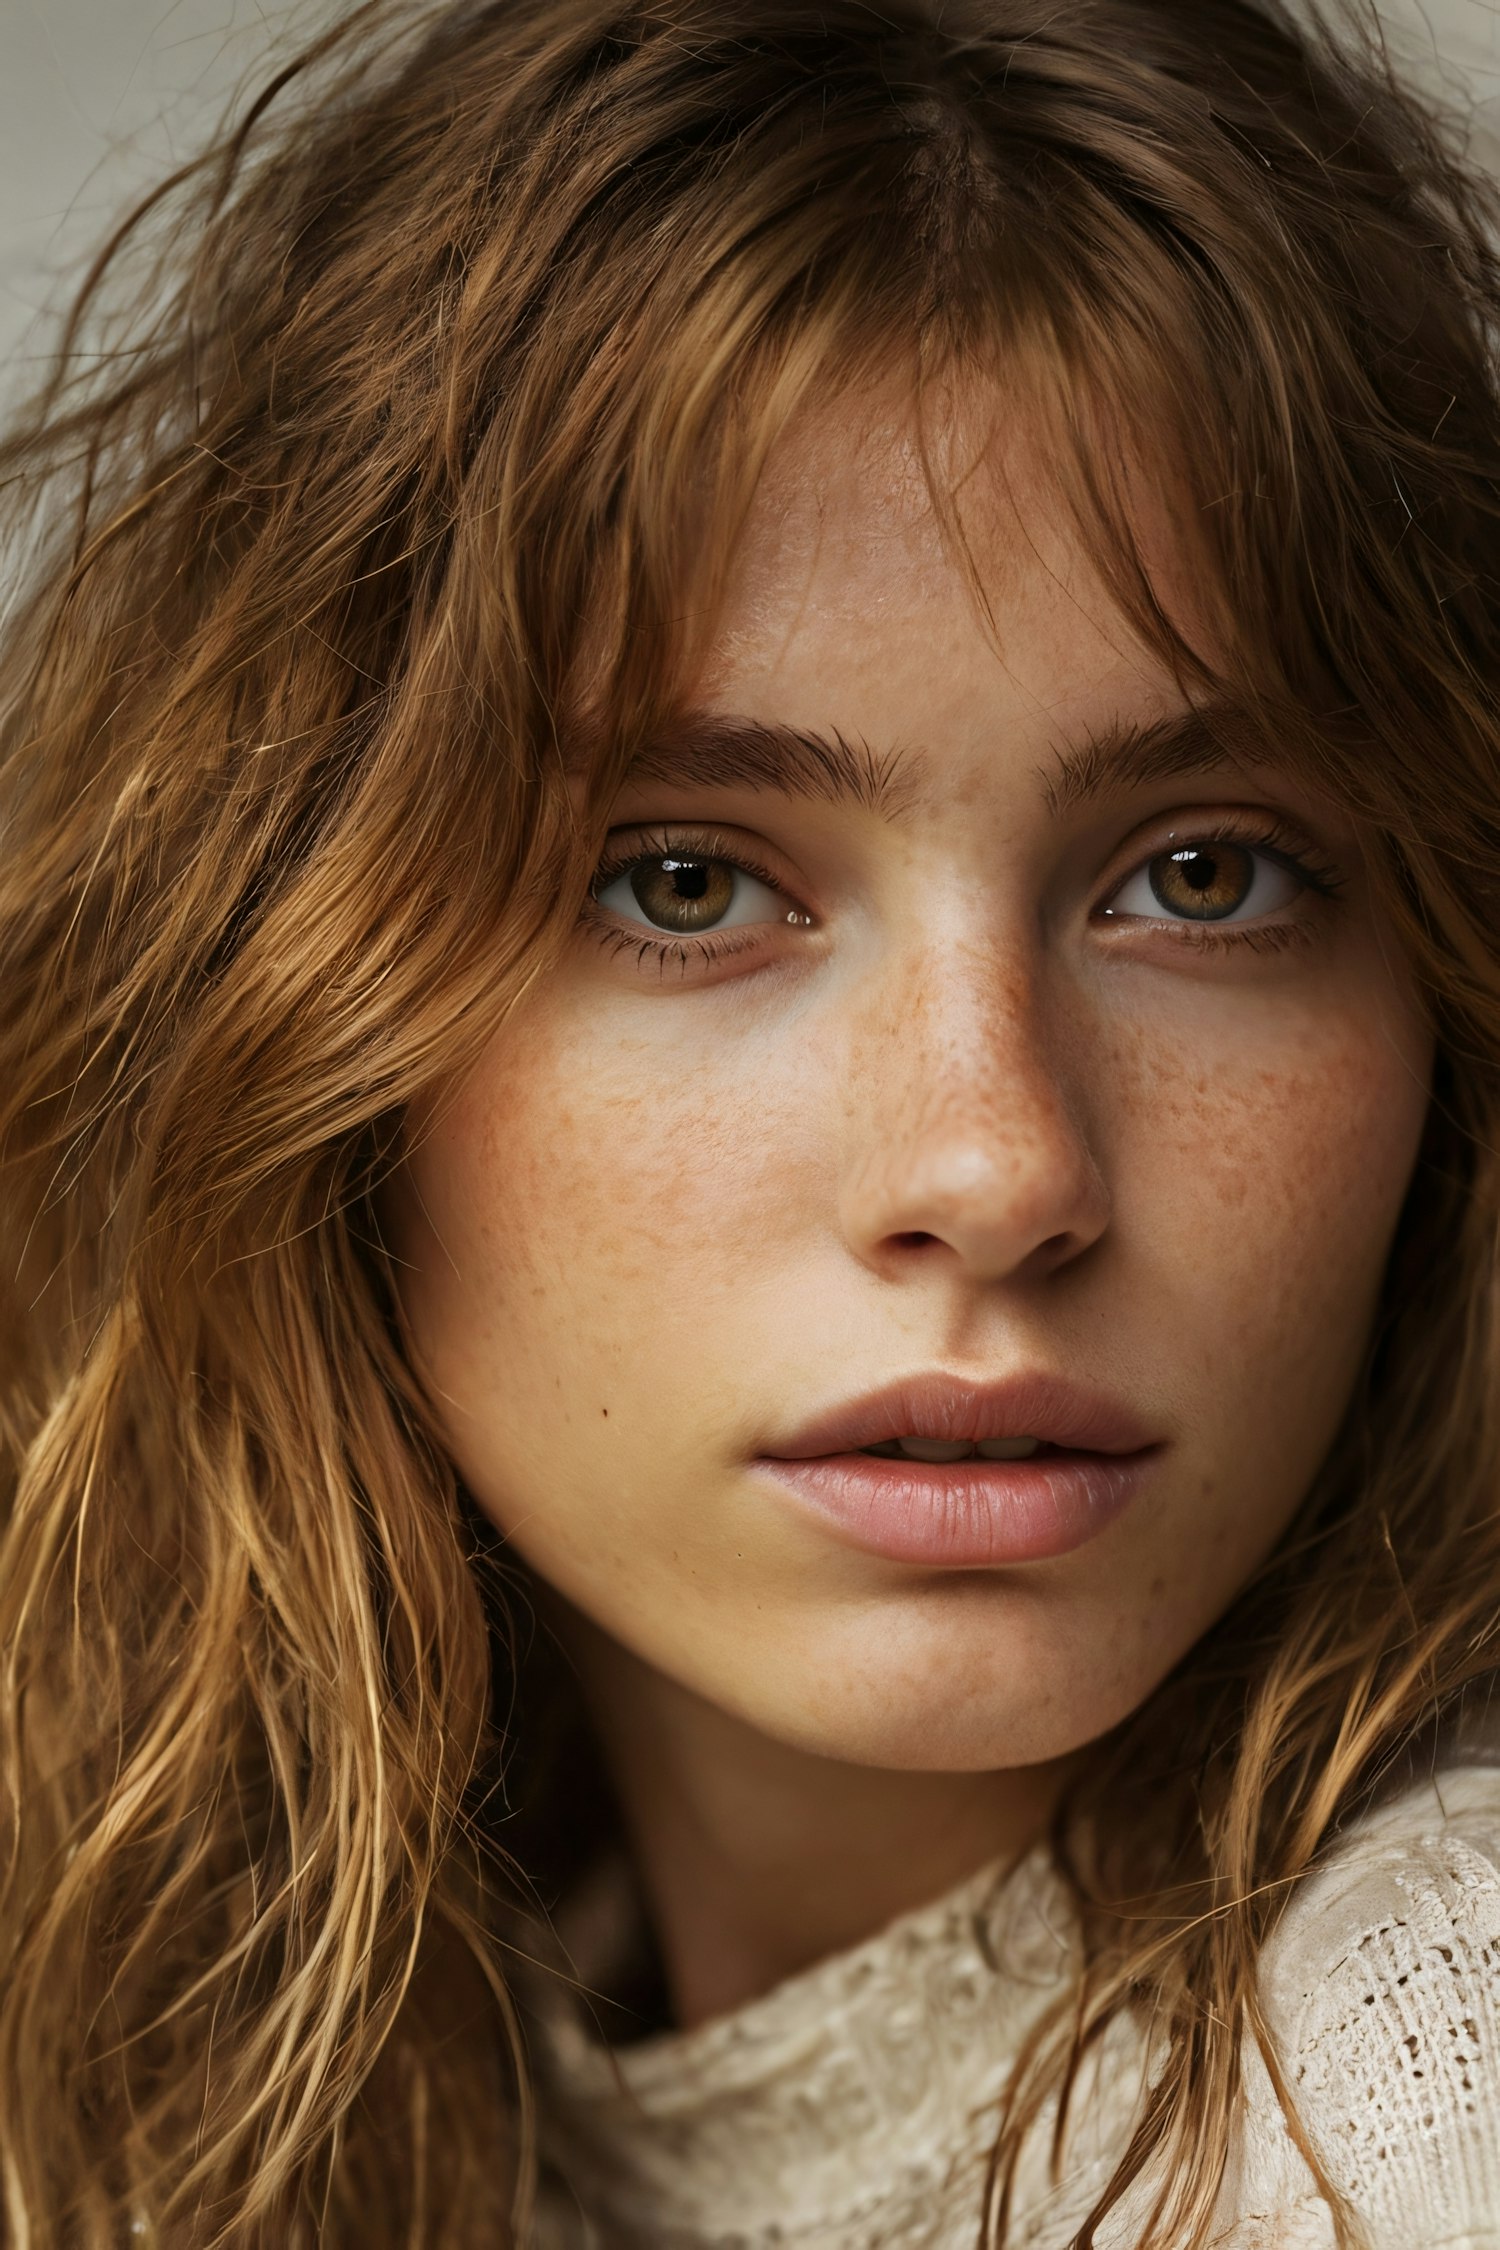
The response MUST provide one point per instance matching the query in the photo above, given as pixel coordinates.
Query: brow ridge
(1133, 754)
(713, 752)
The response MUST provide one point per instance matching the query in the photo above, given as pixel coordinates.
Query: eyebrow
(714, 751)
(1131, 755)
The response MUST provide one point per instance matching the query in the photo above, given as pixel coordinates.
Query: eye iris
(683, 894)
(1203, 881)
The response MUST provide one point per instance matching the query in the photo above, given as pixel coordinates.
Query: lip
(974, 1513)
(1070, 1415)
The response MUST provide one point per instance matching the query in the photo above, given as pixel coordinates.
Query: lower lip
(966, 1515)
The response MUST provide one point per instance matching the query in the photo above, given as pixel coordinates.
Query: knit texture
(853, 2107)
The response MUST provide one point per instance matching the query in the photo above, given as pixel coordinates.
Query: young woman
(750, 1070)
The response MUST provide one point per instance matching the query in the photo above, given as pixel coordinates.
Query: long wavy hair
(390, 461)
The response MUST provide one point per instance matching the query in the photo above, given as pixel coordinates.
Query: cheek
(1264, 1189)
(587, 1230)
(586, 1200)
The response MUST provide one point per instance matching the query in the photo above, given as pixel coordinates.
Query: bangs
(393, 515)
(966, 228)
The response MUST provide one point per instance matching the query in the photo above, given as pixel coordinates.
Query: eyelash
(1277, 841)
(1270, 836)
(627, 938)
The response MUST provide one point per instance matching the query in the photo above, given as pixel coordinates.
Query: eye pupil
(682, 894)
(1204, 881)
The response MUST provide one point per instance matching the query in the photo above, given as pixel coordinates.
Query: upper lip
(1035, 1404)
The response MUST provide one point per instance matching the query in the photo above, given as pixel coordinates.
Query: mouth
(940, 1417)
(958, 1449)
(951, 1474)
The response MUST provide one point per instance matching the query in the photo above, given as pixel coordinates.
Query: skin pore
(958, 1094)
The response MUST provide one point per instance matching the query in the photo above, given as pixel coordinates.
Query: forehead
(911, 619)
(938, 544)
(915, 583)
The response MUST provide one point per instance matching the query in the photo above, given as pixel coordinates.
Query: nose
(966, 1138)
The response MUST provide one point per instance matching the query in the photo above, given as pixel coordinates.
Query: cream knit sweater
(852, 2107)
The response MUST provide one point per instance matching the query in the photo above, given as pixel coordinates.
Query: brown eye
(1204, 881)
(691, 893)
(1209, 881)
(684, 895)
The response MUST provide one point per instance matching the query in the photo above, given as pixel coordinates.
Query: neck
(758, 1858)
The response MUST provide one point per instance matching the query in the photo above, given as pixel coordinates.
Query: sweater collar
(864, 2082)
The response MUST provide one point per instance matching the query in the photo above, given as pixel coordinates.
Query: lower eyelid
(1242, 937)
(663, 951)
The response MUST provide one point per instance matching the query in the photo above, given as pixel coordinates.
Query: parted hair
(389, 462)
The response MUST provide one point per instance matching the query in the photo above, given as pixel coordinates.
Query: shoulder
(1382, 1990)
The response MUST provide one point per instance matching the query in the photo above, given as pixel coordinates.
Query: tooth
(1008, 1448)
(935, 1449)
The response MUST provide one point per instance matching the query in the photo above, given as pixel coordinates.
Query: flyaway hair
(391, 462)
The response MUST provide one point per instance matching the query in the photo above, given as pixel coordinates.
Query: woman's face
(956, 1037)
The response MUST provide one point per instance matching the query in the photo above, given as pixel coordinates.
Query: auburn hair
(391, 458)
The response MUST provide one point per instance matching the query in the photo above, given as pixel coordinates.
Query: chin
(959, 1694)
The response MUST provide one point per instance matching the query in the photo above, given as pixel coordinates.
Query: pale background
(98, 97)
